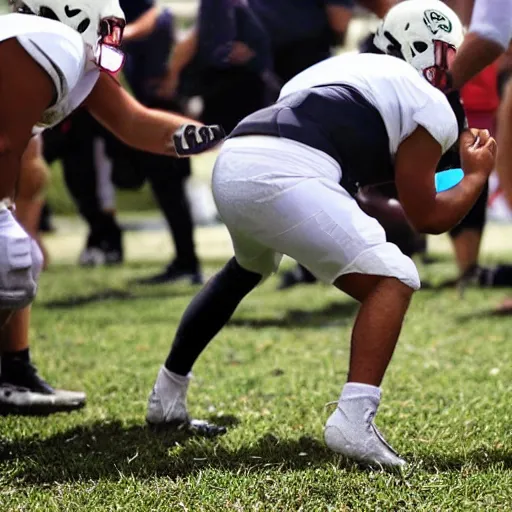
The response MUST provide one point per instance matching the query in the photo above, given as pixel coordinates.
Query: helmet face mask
(437, 74)
(108, 55)
(424, 33)
(99, 22)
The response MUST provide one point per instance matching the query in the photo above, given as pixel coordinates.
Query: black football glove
(190, 139)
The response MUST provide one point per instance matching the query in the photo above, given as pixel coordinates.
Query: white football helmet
(424, 33)
(99, 22)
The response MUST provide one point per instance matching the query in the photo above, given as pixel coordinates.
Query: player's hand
(191, 139)
(478, 152)
(240, 54)
(167, 87)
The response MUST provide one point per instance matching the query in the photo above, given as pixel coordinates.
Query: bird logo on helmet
(437, 21)
(424, 33)
(99, 22)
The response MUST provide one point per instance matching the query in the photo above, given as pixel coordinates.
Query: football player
(61, 55)
(285, 181)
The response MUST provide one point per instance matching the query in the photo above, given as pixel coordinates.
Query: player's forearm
(489, 35)
(451, 206)
(379, 7)
(475, 54)
(142, 27)
(152, 130)
(183, 53)
(339, 18)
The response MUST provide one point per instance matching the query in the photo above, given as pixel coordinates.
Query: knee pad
(386, 260)
(17, 284)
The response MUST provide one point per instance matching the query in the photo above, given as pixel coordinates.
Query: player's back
(357, 109)
(391, 85)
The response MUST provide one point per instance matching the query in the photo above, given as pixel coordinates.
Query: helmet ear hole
(420, 46)
(84, 25)
(22, 8)
(46, 12)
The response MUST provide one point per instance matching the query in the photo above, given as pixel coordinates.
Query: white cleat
(351, 432)
(167, 404)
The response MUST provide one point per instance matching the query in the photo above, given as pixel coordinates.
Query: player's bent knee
(263, 266)
(19, 292)
(20, 261)
(386, 260)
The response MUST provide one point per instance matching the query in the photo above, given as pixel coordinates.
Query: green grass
(446, 407)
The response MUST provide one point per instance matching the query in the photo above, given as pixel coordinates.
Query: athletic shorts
(277, 196)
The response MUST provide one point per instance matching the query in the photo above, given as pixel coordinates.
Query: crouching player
(62, 55)
(285, 181)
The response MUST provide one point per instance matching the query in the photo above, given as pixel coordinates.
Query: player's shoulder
(15, 24)
(48, 41)
(406, 78)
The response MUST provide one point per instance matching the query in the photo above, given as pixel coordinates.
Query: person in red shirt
(481, 101)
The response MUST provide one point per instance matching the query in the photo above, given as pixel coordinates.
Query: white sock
(354, 390)
(180, 380)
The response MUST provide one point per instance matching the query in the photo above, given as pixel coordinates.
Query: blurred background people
(225, 59)
(302, 33)
(91, 156)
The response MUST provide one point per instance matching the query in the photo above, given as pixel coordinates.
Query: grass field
(447, 397)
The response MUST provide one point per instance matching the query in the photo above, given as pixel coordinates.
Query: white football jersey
(62, 53)
(403, 98)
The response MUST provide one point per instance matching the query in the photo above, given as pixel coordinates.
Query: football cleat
(24, 392)
(167, 406)
(350, 431)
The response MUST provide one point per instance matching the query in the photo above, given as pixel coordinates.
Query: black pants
(74, 141)
(476, 217)
(291, 59)
(167, 177)
(232, 94)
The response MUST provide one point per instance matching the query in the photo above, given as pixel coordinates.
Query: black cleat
(173, 274)
(24, 392)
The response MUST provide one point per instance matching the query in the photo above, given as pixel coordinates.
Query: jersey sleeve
(61, 55)
(438, 119)
(421, 104)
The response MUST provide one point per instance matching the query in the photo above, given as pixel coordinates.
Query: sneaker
(167, 406)
(173, 274)
(350, 431)
(26, 393)
(92, 257)
(102, 251)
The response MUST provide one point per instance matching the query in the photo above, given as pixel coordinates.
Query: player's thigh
(322, 227)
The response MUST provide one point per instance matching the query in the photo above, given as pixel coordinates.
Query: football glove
(190, 139)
